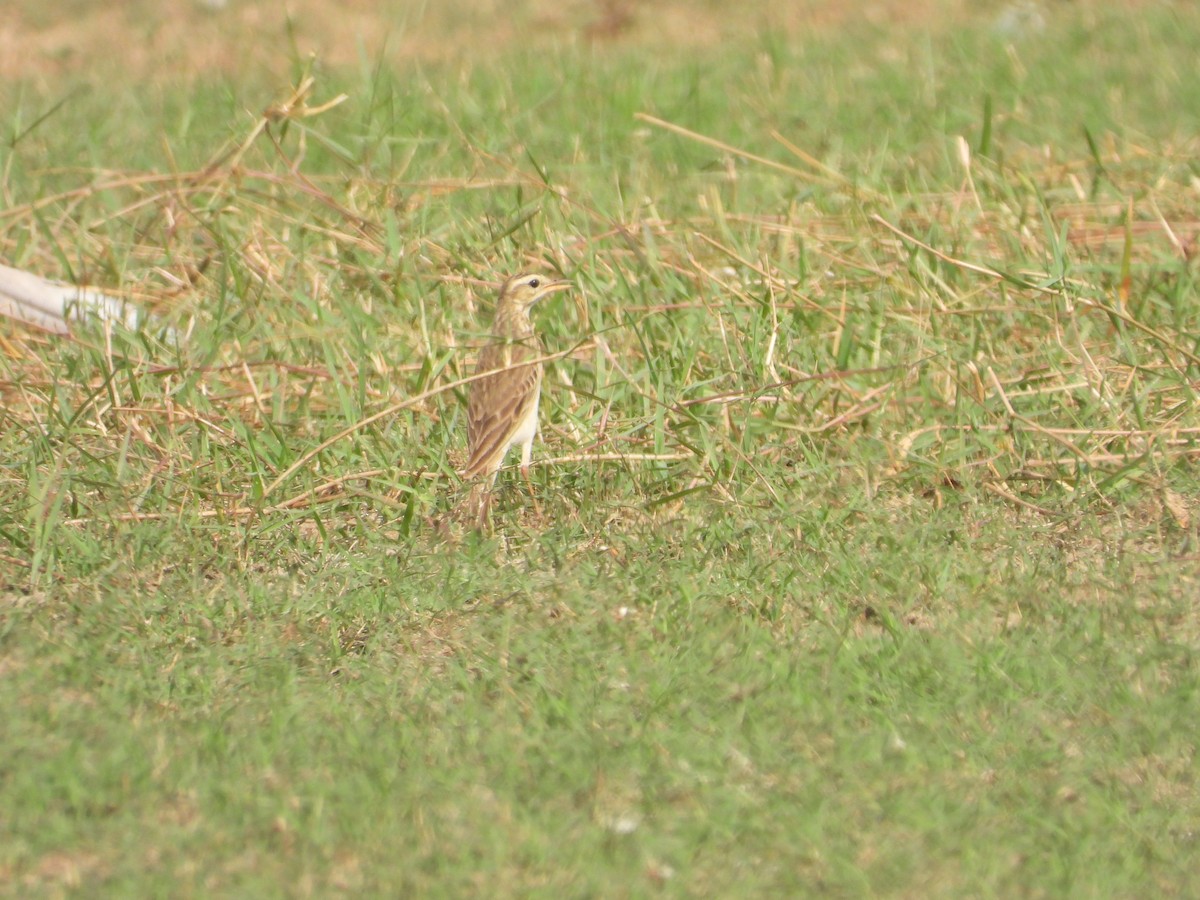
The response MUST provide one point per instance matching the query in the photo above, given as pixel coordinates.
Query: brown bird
(502, 408)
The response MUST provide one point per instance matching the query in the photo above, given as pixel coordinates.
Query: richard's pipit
(503, 408)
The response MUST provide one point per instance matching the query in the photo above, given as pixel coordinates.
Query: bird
(502, 403)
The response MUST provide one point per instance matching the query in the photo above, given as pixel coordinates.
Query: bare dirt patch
(143, 40)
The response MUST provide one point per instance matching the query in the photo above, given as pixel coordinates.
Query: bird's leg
(537, 507)
(526, 455)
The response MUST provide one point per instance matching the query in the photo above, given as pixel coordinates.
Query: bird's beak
(551, 287)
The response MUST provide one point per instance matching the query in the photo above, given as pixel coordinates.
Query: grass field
(867, 554)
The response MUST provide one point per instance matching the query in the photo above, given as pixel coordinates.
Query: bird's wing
(499, 403)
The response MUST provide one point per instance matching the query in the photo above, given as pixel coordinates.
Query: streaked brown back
(499, 403)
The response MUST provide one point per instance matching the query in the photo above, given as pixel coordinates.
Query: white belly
(525, 433)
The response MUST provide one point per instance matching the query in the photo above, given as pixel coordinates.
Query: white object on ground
(50, 305)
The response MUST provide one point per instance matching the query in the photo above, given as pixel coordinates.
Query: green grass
(867, 553)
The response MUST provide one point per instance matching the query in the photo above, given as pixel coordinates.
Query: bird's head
(520, 292)
(517, 296)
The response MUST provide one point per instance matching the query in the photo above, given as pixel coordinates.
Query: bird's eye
(533, 282)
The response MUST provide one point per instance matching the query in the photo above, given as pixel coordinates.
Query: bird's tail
(475, 510)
